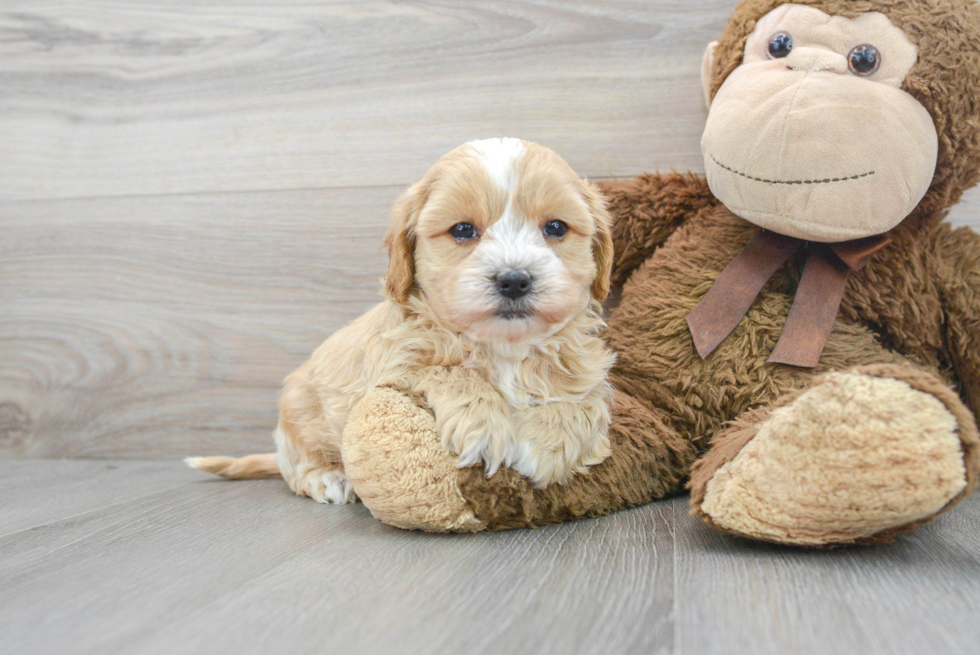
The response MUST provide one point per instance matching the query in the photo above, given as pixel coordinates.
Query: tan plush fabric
(393, 458)
(944, 79)
(802, 146)
(853, 456)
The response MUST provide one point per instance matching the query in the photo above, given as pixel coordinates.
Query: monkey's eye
(780, 45)
(864, 60)
(463, 231)
(555, 229)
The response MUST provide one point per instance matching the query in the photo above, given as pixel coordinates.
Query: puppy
(498, 259)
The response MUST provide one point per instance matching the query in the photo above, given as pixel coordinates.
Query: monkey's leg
(857, 457)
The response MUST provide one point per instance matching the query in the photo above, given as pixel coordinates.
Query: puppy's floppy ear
(602, 242)
(400, 240)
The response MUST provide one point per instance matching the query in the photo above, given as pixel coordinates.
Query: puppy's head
(502, 240)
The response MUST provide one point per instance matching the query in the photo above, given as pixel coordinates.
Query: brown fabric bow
(814, 310)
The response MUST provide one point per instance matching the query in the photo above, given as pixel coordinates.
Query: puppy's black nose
(513, 284)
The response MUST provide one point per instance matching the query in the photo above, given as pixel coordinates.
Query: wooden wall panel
(151, 326)
(115, 97)
(192, 196)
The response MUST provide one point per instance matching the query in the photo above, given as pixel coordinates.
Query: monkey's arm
(646, 210)
(961, 303)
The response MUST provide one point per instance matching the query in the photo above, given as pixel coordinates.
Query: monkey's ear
(400, 240)
(707, 65)
(602, 241)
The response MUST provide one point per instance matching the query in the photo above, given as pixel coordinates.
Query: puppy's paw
(326, 486)
(481, 430)
(546, 466)
(559, 440)
(337, 489)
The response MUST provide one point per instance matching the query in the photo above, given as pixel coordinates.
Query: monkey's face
(812, 135)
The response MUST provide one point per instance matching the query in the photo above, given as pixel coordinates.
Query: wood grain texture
(150, 557)
(192, 195)
(178, 96)
(913, 596)
(255, 569)
(137, 329)
(35, 494)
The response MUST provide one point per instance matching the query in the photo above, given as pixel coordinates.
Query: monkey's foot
(859, 457)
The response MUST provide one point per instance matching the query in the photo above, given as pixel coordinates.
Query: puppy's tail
(250, 467)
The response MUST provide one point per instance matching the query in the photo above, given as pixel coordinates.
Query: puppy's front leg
(562, 438)
(473, 419)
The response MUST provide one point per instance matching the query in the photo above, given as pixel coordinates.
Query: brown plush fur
(914, 309)
(911, 316)
(649, 460)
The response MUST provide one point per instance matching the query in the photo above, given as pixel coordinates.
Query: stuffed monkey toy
(797, 336)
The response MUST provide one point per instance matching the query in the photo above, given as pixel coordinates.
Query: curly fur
(514, 380)
(913, 312)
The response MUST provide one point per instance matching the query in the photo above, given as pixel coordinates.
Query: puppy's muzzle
(513, 284)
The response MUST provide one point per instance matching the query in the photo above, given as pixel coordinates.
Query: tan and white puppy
(498, 259)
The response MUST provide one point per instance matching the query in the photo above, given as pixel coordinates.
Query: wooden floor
(150, 557)
(192, 197)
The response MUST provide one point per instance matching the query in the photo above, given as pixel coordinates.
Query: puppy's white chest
(510, 382)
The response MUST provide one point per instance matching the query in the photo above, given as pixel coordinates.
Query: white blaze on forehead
(514, 243)
(510, 242)
(498, 157)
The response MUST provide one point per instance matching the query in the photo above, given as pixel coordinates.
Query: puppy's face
(502, 240)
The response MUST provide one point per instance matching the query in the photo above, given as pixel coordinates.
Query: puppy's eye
(555, 229)
(864, 60)
(780, 45)
(463, 231)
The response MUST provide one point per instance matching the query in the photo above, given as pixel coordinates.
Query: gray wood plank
(593, 587)
(139, 327)
(918, 595)
(207, 565)
(123, 98)
(247, 567)
(35, 494)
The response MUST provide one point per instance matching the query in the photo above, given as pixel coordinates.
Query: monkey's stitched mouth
(760, 179)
